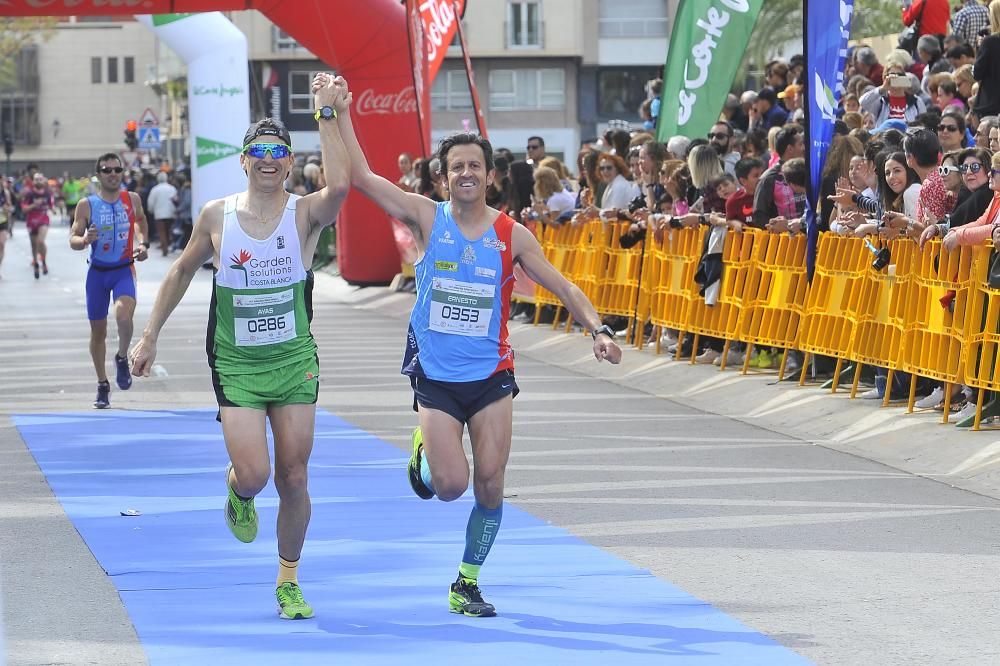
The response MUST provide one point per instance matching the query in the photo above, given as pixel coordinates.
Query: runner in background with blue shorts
(112, 224)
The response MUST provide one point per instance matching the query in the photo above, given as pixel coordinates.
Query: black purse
(909, 36)
(993, 273)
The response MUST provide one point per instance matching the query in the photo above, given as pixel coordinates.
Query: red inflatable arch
(366, 41)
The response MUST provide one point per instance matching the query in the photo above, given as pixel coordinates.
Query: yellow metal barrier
(721, 320)
(775, 294)
(616, 273)
(560, 244)
(935, 318)
(878, 335)
(832, 305)
(676, 256)
(982, 330)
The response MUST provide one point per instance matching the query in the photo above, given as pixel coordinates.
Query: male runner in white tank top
(262, 354)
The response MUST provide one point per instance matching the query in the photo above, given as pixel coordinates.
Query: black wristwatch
(605, 329)
(325, 113)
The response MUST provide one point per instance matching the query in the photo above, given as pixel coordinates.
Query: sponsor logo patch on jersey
(447, 239)
(485, 272)
(281, 242)
(450, 266)
(495, 243)
(468, 255)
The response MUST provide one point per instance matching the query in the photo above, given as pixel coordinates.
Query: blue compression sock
(480, 533)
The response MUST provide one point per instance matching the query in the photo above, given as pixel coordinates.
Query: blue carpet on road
(376, 565)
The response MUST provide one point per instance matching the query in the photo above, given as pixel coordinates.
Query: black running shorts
(461, 400)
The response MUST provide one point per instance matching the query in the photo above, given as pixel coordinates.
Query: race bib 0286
(264, 319)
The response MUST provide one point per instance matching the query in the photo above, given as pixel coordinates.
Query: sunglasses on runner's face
(975, 167)
(111, 169)
(277, 150)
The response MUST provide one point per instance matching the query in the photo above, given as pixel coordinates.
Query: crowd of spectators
(915, 153)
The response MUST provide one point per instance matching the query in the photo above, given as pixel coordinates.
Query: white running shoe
(733, 358)
(708, 356)
(967, 412)
(870, 394)
(931, 401)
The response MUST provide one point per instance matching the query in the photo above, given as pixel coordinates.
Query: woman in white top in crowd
(620, 190)
(550, 198)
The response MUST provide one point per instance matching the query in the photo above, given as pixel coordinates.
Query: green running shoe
(241, 516)
(291, 605)
(466, 599)
(413, 467)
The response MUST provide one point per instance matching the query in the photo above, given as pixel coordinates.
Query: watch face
(326, 112)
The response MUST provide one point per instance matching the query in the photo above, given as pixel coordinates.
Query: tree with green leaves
(16, 32)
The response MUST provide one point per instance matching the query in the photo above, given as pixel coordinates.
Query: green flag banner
(707, 44)
(164, 19)
(208, 151)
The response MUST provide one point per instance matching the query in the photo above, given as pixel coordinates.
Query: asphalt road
(844, 560)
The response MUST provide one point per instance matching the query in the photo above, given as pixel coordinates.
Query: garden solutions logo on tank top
(272, 272)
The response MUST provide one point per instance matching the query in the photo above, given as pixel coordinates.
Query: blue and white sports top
(458, 326)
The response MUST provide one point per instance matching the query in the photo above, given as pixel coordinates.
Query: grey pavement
(849, 533)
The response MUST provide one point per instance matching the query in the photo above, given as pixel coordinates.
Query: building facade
(559, 69)
(74, 93)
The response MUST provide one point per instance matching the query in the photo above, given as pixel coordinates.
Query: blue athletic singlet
(458, 327)
(115, 232)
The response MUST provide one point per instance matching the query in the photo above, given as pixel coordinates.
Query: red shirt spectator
(933, 21)
(739, 207)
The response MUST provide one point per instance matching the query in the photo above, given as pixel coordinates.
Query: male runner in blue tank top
(264, 360)
(457, 356)
(112, 224)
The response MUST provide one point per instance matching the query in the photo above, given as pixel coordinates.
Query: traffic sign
(148, 117)
(149, 138)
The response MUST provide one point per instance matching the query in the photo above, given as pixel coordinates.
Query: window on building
(525, 89)
(524, 24)
(95, 70)
(450, 91)
(112, 70)
(19, 97)
(300, 97)
(632, 18)
(129, 69)
(620, 91)
(282, 42)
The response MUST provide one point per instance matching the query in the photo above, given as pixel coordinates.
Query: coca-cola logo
(439, 22)
(370, 102)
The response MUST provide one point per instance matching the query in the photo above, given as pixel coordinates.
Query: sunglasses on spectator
(277, 150)
(975, 167)
(717, 135)
(534, 146)
(111, 169)
(947, 128)
(994, 172)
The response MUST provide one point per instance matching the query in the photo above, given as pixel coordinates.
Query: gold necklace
(265, 220)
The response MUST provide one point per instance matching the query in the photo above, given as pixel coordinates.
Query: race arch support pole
(215, 53)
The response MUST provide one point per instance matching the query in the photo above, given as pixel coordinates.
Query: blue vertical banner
(827, 29)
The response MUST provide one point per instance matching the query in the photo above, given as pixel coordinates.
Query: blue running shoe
(122, 375)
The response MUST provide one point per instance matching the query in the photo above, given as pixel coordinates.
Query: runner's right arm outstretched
(415, 211)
